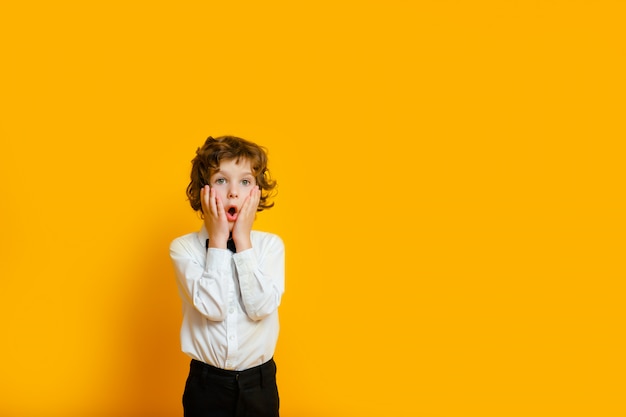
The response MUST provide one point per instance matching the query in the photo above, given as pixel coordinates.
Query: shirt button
(232, 338)
(231, 311)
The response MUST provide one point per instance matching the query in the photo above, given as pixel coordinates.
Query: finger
(255, 198)
(219, 207)
(248, 204)
(213, 202)
(204, 199)
(251, 203)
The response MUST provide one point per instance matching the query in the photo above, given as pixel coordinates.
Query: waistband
(267, 369)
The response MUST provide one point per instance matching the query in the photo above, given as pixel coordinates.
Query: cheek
(220, 192)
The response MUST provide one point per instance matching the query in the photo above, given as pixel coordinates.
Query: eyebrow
(219, 171)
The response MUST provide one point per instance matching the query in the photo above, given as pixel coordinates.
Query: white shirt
(230, 301)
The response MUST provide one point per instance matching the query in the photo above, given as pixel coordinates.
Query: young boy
(230, 279)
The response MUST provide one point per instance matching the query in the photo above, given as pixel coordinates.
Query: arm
(203, 285)
(262, 277)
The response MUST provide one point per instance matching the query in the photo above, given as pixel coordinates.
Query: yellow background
(451, 197)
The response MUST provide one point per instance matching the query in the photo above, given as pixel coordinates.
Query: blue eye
(245, 182)
(220, 181)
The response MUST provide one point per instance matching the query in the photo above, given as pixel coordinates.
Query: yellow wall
(450, 195)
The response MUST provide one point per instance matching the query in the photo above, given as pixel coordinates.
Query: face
(233, 182)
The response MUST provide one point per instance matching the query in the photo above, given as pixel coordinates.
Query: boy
(230, 280)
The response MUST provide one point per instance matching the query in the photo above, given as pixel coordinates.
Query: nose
(233, 192)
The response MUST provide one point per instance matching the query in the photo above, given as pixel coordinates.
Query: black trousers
(215, 392)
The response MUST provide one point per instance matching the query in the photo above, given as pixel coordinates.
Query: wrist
(217, 241)
(242, 242)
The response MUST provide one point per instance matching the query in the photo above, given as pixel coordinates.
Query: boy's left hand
(245, 219)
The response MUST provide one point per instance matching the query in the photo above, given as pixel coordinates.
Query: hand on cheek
(215, 219)
(245, 219)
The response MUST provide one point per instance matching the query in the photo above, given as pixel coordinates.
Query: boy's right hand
(215, 219)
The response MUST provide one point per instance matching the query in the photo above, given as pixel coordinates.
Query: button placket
(231, 329)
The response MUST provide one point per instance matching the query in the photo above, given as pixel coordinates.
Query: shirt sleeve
(261, 276)
(202, 281)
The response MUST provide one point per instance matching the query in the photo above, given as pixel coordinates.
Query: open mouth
(231, 213)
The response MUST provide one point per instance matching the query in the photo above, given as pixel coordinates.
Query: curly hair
(207, 162)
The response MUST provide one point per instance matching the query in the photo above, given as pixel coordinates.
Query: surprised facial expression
(233, 182)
